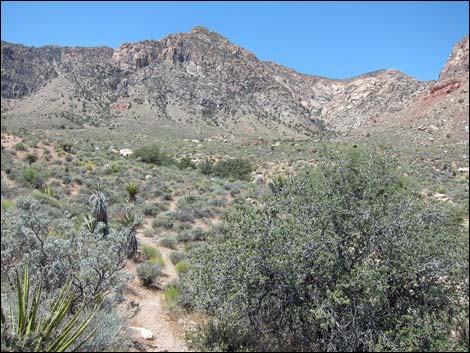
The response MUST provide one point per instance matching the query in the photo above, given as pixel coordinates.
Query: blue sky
(331, 39)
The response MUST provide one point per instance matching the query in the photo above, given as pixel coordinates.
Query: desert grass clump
(171, 294)
(181, 267)
(150, 252)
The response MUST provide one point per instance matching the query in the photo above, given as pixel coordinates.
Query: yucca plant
(100, 209)
(89, 222)
(55, 331)
(48, 190)
(132, 189)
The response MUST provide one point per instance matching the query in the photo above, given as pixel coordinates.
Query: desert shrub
(152, 154)
(20, 146)
(185, 214)
(154, 209)
(163, 221)
(342, 258)
(176, 257)
(186, 163)
(6, 162)
(148, 272)
(55, 250)
(183, 226)
(168, 242)
(206, 167)
(31, 158)
(233, 169)
(32, 176)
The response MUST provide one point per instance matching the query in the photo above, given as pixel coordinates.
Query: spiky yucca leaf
(56, 332)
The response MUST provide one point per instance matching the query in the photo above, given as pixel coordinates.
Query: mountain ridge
(199, 78)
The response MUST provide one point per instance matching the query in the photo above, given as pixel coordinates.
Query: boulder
(142, 332)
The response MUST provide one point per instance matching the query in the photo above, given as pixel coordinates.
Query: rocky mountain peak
(457, 65)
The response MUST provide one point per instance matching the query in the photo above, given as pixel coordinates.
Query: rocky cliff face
(457, 64)
(199, 78)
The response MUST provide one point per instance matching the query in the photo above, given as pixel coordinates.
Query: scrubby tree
(343, 257)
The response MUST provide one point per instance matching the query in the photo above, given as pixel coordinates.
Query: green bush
(342, 258)
(32, 176)
(233, 169)
(152, 154)
(186, 163)
(148, 272)
(206, 167)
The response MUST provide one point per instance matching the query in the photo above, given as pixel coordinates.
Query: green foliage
(168, 242)
(186, 163)
(132, 189)
(150, 252)
(296, 273)
(176, 257)
(31, 158)
(152, 154)
(148, 272)
(181, 267)
(32, 176)
(171, 294)
(30, 331)
(233, 169)
(163, 221)
(206, 167)
(20, 146)
(6, 204)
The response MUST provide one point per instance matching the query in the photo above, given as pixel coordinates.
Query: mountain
(197, 82)
(439, 114)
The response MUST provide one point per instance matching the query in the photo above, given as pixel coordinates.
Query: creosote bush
(153, 154)
(343, 257)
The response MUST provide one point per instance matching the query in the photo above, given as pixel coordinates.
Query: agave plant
(132, 189)
(100, 209)
(55, 331)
